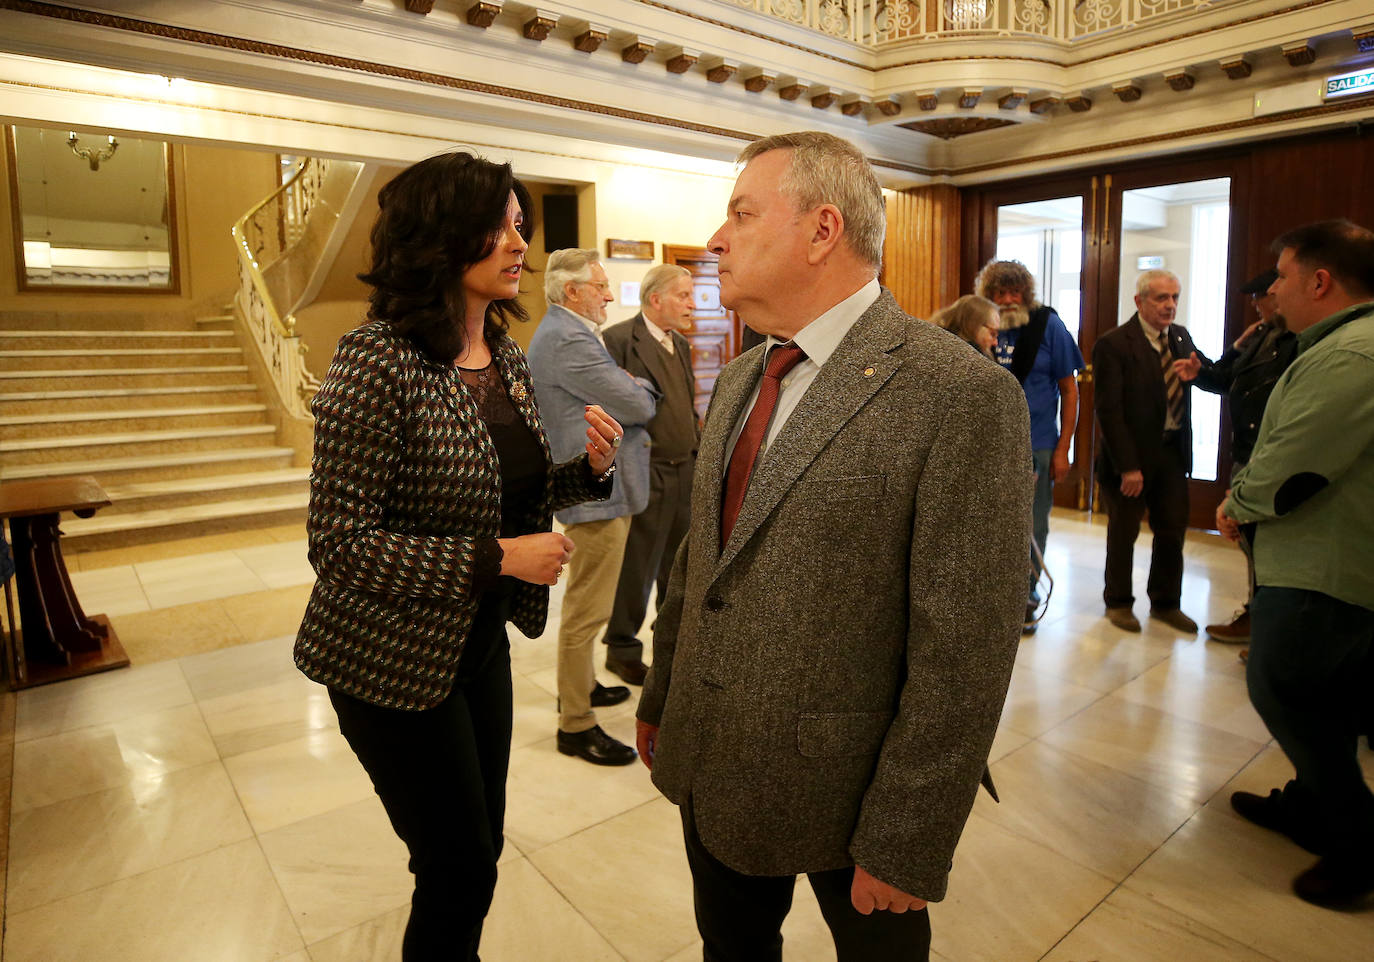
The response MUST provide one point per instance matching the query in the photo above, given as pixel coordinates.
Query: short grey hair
(658, 279)
(572, 265)
(1146, 278)
(825, 169)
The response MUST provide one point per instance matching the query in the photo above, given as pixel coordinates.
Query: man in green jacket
(1309, 490)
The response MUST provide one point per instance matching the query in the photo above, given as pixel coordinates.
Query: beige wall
(214, 187)
(624, 202)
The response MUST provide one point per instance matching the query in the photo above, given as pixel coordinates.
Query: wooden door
(714, 335)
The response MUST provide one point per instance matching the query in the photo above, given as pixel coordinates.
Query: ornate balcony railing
(880, 22)
(279, 243)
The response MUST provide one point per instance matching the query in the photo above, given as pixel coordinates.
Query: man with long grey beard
(1034, 344)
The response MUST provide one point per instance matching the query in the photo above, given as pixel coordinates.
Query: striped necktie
(1173, 387)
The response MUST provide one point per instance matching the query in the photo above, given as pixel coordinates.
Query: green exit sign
(1350, 84)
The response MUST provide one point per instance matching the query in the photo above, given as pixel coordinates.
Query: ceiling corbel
(539, 25)
(1180, 80)
(682, 61)
(824, 99)
(759, 81)
(1237, 68)
(483, 13)
(719, 70)
(638, 50)
(1300, 53)
(591, 39)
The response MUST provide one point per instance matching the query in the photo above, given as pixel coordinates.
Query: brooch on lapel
(518, 392)
(870, 371)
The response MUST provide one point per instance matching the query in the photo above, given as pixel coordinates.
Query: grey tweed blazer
(827, 684)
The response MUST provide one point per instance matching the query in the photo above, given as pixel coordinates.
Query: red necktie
(781, 359)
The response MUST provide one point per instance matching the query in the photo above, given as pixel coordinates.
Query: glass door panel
(1047, 236)
(1184, 228)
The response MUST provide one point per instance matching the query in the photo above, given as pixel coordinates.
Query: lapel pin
(870, 371)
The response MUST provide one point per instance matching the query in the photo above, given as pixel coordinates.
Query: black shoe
(604, 697)
(596, 747)
(630, 671)
(1267, 811)
(1336, 882)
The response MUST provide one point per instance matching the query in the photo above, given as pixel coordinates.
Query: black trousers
(1166, 497)
(740, 916)
(655, 534)
(441, 776)
(1310, 674)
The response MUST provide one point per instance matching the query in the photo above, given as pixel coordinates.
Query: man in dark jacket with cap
(1246, 373)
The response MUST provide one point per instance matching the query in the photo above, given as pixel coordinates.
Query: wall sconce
(92, 155)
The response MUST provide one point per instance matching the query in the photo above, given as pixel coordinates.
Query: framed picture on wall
(630, 249)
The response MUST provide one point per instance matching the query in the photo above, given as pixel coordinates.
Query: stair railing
(267, 239)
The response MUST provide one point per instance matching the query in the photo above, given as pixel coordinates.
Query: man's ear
(829, 228)
(1322, 283)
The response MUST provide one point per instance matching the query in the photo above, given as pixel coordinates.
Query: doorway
(1085, 239)
(714, 335)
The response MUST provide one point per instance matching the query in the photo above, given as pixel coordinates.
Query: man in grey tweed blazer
(833, 653)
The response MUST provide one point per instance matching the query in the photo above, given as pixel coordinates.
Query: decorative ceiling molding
(947, 128)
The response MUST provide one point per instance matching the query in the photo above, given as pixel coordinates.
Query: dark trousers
(1311, 674)
(740, 916)
(655, 534)
(441, 776)
(1166, 497)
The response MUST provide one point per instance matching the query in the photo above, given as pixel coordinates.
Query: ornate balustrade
(880, 22)
(265, 238)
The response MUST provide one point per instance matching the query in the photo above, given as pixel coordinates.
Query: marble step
(114, 530)
(215, 322)
(185, 492)
(95, 340)
(157, 467)
(57, 380)
(118, 357)
(133, 443)
(126, 398)
(67, 320)
(66, 424)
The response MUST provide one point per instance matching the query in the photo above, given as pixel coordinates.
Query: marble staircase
(167, 418)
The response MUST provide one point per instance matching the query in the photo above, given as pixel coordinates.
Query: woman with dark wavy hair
(431, 503)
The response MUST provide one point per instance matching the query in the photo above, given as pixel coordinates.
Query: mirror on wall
(92, 211)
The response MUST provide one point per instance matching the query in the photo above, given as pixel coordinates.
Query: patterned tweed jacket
(405, 488)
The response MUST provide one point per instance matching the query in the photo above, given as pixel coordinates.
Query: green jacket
(1310, 482)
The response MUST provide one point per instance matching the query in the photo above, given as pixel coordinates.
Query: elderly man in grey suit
(830, 663)
(651, 345)
(571, 370)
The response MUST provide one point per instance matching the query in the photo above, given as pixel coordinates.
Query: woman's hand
(604, 435)
(536, 558)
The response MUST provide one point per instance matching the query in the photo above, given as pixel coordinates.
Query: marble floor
(204, 808)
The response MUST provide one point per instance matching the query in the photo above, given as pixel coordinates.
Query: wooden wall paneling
(922, 249)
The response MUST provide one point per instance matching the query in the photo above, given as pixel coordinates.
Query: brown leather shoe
(629, 671)
(1175, 618)
(1123, 618)
(1237, 632)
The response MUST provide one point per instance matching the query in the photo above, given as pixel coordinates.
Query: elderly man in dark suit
(650, 345)
(834, 650)
(1142, 371)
